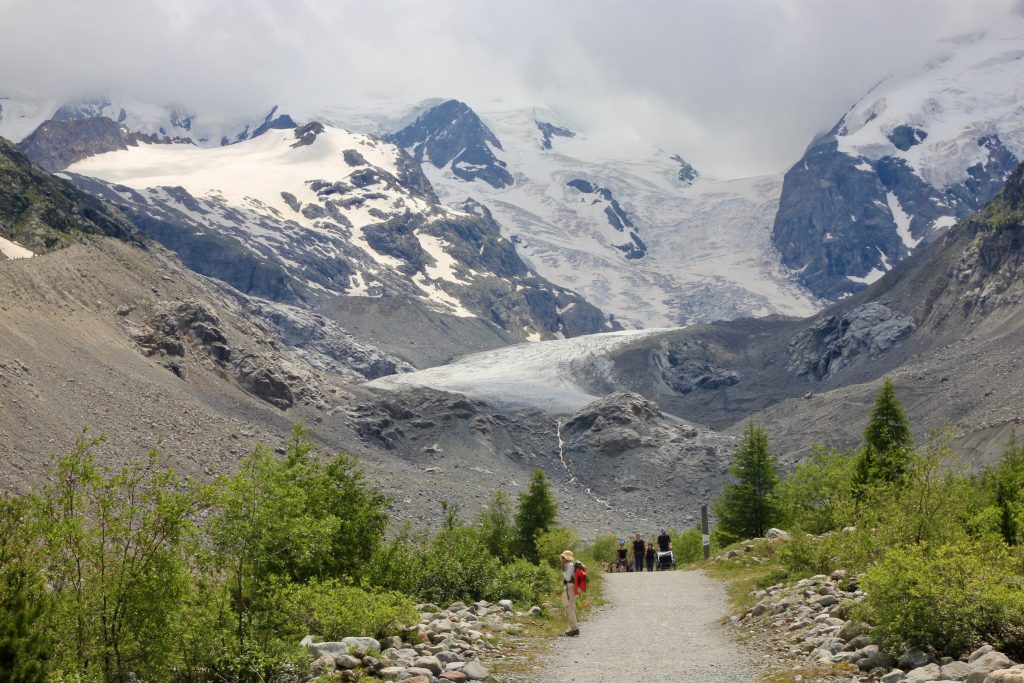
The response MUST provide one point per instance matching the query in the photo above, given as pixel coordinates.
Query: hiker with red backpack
(574, 582)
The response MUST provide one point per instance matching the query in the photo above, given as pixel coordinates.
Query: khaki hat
(567, 555)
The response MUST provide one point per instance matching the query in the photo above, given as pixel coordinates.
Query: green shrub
(117, 545)
(553, 542)
(951, 597)
(331, 610)
(24, 649)
(455, 565)
(498, 526)
(1006, 483)
(688, 546)
(805, 555)
(523, 582)
(817, 496)
(395, 565)
(603, 549)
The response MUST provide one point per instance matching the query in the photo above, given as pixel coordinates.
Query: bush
(454, 565)
(688, 546)
(817, 496)
(1006, 483)
(498, 526)
(24, 650)
(603, 549)
(117, 545)
(805, 555)
(952, 598)
(553, 543)
(523, 582)
(332, 611)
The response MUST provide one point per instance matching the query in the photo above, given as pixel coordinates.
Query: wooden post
(705, 531)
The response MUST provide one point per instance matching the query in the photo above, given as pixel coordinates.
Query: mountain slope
(946, 324)
(317, 212)
(653, 243)
(40, 212)
(912, 157)
(118, 335)
(635, 230)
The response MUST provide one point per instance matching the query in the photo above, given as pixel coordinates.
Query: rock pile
(810, 621)
(450, 645)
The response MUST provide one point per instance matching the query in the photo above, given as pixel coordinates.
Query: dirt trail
(659, 627)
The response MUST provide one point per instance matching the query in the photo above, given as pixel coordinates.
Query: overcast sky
(736, 86)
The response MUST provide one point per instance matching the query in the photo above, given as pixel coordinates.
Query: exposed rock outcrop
(550, 130)
(42, 212)
(452, 135)
(185, 328)
(833, 342)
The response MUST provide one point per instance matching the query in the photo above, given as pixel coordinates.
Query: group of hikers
(574, 574)
(643, 554)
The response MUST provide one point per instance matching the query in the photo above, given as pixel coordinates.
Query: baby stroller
(666, 560)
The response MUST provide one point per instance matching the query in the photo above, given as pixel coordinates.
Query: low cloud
(736, 86)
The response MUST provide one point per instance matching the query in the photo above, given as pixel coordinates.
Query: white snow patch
(445, 302)
(13, 251)
(943, 222)
(864, 166)
(902, 219)
(444, 268)
(252, 173)
(873, 276)
(970, 91)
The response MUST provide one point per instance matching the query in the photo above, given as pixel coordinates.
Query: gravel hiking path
(661, 627)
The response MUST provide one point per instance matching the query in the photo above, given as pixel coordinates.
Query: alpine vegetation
(137, 573)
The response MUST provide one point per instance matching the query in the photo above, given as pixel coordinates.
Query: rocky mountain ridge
(41, 212)
(676, 252)
(299, 215)
(912, 157)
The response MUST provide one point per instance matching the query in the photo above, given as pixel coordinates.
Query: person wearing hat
(569, 591)
(664, 542)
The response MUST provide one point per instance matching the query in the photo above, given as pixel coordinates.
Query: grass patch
(742, 575)
(807, 673)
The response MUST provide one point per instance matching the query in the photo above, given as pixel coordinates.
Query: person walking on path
(622, 564)
(664, 542)
(649, 557)
(638, 553)
(569, 592)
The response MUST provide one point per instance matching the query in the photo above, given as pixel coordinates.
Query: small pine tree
(498, 526)
(885, 456)
(747, 508)
(536, 514)
(24, 653)
(1006, 480)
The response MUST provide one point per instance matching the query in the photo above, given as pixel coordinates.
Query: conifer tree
(24, 652)
(498, 525)
(885, 456)
(536, 514)
(747, 508)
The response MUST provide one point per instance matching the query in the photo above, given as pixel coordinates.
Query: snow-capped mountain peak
(913, 156)
(451, 135)
(316, 211)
